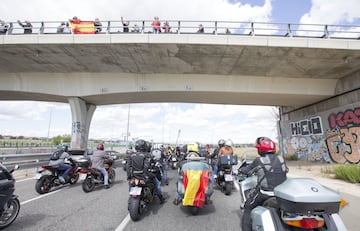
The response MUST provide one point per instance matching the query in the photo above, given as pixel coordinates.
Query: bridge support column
(81, 113)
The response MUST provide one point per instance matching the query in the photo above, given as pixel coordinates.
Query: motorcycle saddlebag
(228, 160)
(306, 195)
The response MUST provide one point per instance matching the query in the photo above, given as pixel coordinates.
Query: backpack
(137, 163)
(56, 155)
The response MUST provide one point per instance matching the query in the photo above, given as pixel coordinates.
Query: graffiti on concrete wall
(312, 126)
(343, 137)
(307, 140)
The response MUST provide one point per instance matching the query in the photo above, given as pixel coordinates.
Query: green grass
(348, 172)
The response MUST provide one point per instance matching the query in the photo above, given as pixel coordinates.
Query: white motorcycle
(296, 204)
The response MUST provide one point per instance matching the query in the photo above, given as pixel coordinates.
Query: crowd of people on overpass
(77, 26)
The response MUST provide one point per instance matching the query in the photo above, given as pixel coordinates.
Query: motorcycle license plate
(228, 177)
(135, 191)
(82, 176)
(37, 176)
(173, 159)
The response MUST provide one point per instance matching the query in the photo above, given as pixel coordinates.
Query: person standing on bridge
(27, 26)
(156, 25)
(125, 25)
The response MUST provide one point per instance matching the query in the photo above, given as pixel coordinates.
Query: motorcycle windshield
(196, 180)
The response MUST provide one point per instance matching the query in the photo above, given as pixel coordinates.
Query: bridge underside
(115, 88)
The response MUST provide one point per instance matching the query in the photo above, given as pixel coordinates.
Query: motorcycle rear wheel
(88, 185)
(194, 210)
(43, 185)
(134, 208)
(112, 176)
(228, 188)
(11, 211)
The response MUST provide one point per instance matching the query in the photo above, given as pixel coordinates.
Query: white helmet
(228, 142)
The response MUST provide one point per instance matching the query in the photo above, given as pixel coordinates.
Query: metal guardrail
(210, 27)
(21, 158)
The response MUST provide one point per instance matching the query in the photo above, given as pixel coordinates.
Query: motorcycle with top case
(298, 204)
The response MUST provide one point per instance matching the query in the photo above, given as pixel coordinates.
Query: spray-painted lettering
(312, 126)
(349, 118)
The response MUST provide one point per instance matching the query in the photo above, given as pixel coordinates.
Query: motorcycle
(173, 160)
(195, 184)
(91, 177)
(9, 202)
(225, 179)
(296, 204)
(142, 191)
(47, 177)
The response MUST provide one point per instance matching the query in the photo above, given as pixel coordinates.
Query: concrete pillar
(81, 113)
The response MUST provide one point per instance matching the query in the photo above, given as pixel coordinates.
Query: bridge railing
(210, 27)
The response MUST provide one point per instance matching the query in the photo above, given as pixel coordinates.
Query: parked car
(114, 154)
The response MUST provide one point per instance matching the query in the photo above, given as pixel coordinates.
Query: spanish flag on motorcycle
(195, 184)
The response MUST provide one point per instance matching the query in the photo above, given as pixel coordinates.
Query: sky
(163, 122)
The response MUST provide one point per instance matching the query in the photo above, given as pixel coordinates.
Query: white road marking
(44, 195)
(123, 223)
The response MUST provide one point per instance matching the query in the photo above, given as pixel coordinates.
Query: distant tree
(61, 138)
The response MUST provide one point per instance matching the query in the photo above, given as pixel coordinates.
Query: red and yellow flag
(82, 27)
(195, 184)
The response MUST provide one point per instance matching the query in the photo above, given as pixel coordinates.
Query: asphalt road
(69, 208)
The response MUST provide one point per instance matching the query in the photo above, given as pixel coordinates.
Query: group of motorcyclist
(270, 169)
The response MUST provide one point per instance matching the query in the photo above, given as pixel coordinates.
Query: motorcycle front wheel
(134, 208)
(88, 185)
(44, 184)
(11, 211)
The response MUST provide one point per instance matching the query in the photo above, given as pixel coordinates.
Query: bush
(348, 172)
(291, 157)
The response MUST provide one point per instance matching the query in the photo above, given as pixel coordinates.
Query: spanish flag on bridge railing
(195, 184)
(82, 27)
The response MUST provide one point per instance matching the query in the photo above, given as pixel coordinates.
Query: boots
(161, 198)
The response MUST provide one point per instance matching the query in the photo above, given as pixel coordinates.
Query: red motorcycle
(91, 177)
(47, 177)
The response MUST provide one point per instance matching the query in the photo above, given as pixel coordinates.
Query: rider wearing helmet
(140, 162)
(270, 170)
(97, 160)
(227, 148)
(59, 162)
(214, 156)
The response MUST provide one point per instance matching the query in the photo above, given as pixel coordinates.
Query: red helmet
(265, 145)
(100, 147)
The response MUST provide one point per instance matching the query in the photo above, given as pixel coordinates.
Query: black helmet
(141, 146)
(65, 148)
(221, 142)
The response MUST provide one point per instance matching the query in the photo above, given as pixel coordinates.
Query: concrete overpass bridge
(303, 75)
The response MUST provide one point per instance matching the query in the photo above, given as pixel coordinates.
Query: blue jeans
(216, 169)
(105, 174)
(158, 186)
(165, 169)
(65, 167)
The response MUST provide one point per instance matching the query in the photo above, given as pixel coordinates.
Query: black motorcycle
(142, 191)
(225, 178)
(91, 177)
(9, 203)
